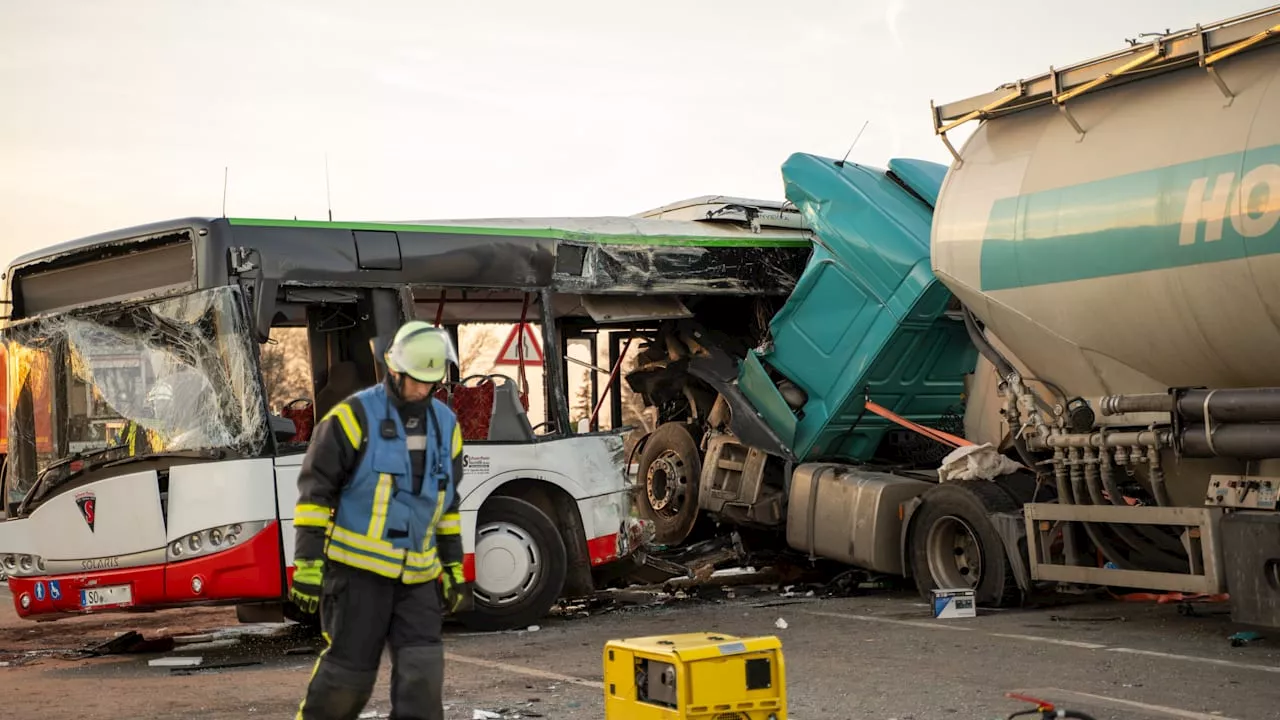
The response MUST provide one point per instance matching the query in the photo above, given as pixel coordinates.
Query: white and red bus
(163, 380)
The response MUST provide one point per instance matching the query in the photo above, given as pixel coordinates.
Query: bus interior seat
(343, 382)
(510, 422)
(473, 405)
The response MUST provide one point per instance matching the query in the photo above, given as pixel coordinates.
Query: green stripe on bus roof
(552, 233)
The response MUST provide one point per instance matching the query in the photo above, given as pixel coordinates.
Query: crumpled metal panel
(679, 268)
(867, 315)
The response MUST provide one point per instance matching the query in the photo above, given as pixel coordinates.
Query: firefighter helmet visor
(421, 351)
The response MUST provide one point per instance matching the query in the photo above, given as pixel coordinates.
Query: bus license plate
(102, 596)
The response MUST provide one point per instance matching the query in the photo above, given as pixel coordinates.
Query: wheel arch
(558, 504)
(1007, 523)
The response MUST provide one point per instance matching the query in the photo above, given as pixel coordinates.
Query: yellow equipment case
(694, 676)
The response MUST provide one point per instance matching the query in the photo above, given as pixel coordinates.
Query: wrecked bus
(165, 473)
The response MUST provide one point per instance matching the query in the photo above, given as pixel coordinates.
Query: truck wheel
(670, 469)
(954, 544)
(521, 565)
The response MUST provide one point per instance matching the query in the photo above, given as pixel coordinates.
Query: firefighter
(378, 542)
(138, 438)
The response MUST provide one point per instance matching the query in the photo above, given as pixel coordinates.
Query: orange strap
(944, 438)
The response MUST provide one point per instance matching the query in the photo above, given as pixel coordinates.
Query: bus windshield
(172, 375)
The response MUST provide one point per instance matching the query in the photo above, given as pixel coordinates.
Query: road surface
(873, 657)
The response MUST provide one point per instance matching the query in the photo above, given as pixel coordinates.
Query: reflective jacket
(356, 502)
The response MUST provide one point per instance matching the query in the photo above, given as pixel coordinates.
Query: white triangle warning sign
(509, 354)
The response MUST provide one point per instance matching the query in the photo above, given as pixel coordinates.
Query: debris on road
(176, 661)
(1245, 637)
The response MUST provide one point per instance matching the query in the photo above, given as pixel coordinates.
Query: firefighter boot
(336, 693)
(417, 683)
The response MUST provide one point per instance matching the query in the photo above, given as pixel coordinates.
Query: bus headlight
(20, 565)
(214, 539)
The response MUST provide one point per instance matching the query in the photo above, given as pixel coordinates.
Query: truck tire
(521, 557)
(955, 545)
(669, 472)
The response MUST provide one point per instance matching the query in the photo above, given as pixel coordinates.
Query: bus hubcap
(507, 564)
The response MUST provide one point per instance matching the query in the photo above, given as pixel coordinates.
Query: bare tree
(286, 367)
(479, 344)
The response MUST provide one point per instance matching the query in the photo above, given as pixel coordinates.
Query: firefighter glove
(456, 590)
(305, 592)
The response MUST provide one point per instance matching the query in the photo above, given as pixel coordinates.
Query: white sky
(117, 113)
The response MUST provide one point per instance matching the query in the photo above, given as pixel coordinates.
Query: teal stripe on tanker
(1168, 217)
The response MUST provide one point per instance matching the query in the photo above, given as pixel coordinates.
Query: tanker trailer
(1111, 229)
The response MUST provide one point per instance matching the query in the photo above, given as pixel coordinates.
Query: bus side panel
(224, 496)
(209, 495)
(107, 524)
(287, 469)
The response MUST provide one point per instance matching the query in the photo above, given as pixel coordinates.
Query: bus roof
(720, 225)
(719, 245)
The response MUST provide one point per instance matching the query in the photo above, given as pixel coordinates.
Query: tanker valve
(1080, 415)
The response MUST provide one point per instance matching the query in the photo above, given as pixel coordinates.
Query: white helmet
(421, 351)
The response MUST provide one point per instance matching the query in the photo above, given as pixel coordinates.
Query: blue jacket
(380, 525)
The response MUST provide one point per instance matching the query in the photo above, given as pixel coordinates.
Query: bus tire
(522, 558)
(954, 544)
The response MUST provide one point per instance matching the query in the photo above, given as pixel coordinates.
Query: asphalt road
(875, 657)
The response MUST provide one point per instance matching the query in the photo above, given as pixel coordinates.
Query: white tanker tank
(1114, 228)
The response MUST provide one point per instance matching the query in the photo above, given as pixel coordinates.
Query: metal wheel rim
(954, 553)
(508, 564)
(667, 484)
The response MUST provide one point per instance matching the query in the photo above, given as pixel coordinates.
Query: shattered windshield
(167, 376)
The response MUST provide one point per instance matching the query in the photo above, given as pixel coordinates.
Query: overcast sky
(121, 112)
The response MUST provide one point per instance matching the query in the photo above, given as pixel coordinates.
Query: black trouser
(361, 613)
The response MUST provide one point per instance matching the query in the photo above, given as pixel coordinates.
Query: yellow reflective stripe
(310, 515)
(450, 524)
(457, 440)
(381, 499)
(435, 520)
(422, 560)
(367, 544)
(364, 562)
(347, 420)
(328, 643)
(421, 577)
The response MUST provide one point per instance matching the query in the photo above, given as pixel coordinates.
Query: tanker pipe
(1240, 405)
(1156, 548)
(1064, 498)
(1005, 368)
(1144, 438)
(1125, 404)
(1156, 475)
(1244, 442)
(1156, 535)
(1091, 529)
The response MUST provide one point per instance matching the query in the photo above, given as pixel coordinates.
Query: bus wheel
(670, 469)
(954, 544)
(521, 564)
